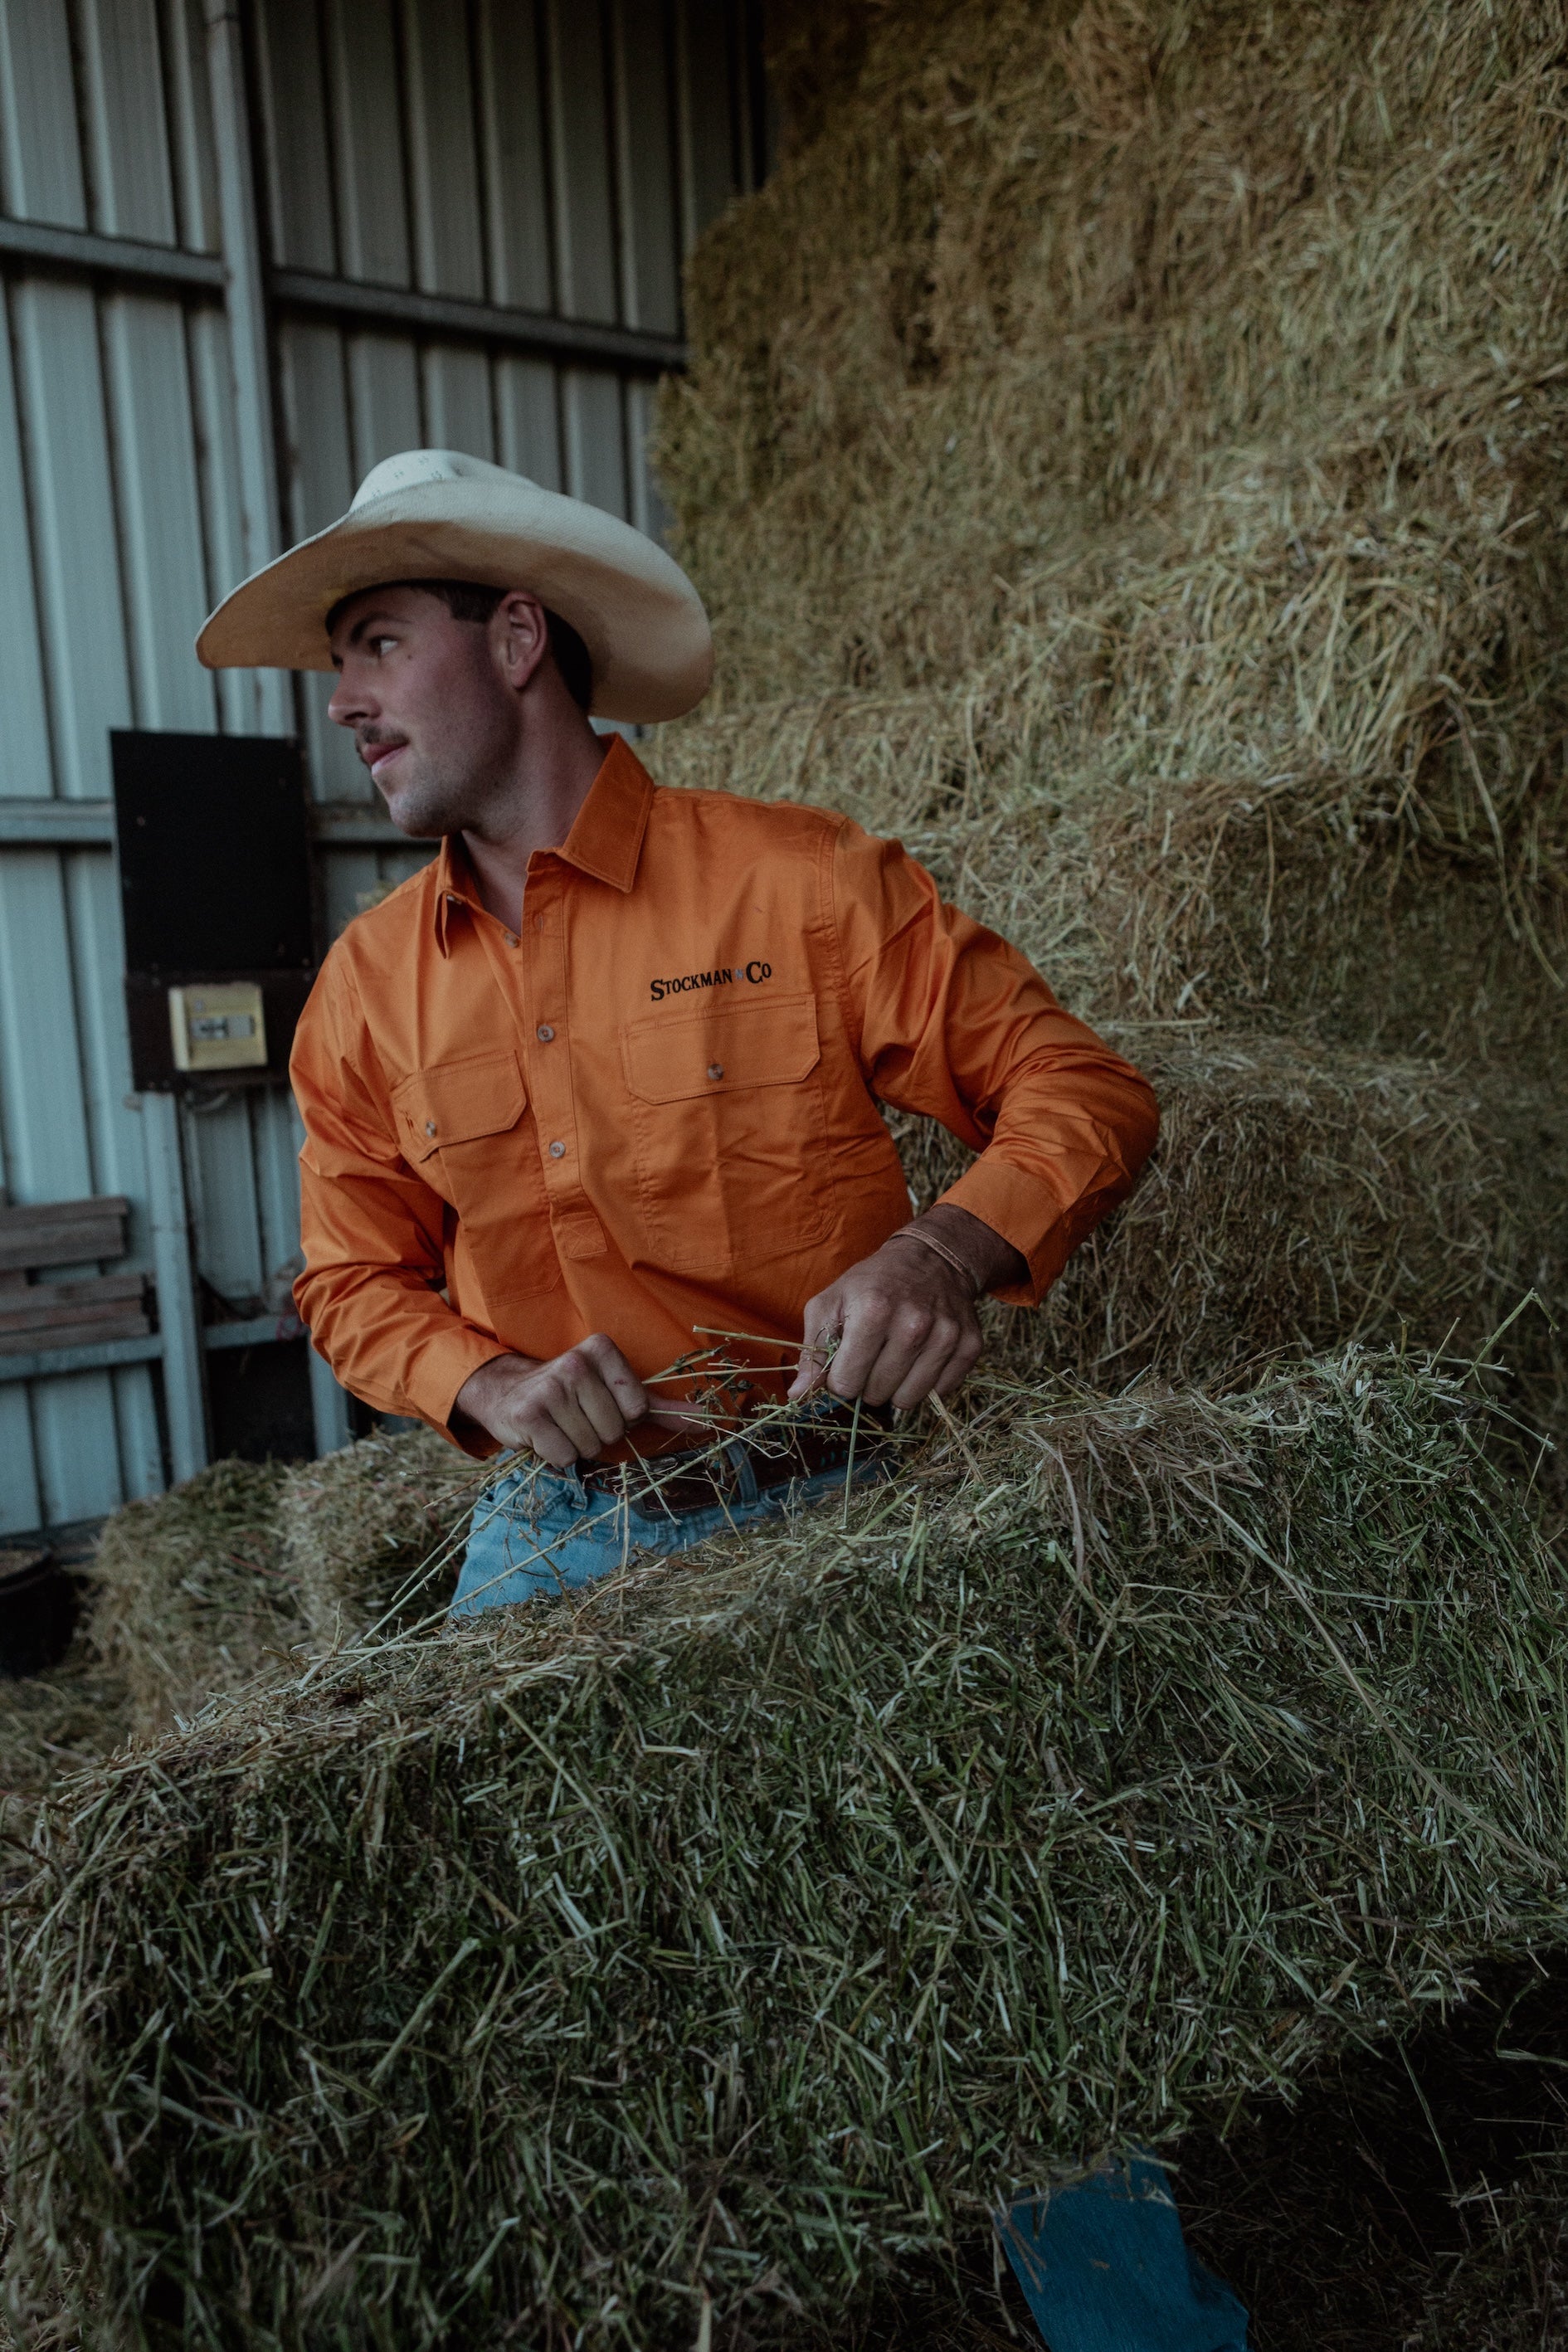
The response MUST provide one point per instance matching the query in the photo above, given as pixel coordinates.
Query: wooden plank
(366, 122)
(512, 115)
(40, 145)
(162, 551)
(127, 124)
(75, 553)
(644, 166)
(47, 1306)
(63, 1246)
(458, 402)
(444, 181)
(29, 766)
(528, 417)
(297, 160)
(580, 161)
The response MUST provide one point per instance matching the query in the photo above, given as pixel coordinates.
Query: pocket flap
(458, 1102)
(721, 1049)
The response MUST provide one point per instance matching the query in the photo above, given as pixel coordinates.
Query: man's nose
(351, 703)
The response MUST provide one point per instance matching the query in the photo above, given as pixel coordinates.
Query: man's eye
(378, 643)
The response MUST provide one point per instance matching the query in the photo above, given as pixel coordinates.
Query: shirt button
(429, 1126)
(544, 1033)
(510, 938)
(715, 1069)
(558, 1151)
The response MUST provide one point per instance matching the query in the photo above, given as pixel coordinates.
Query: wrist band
(929, 1242)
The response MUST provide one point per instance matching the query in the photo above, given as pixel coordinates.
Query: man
(603, 1079)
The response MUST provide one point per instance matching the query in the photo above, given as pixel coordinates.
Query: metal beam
(81, 253)
(95, 1356)
(451, 317)
(90, 824)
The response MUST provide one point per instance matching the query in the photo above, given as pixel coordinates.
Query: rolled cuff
(437, 1371)
(1029, 1215)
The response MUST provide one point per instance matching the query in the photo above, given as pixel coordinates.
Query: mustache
(374, 738)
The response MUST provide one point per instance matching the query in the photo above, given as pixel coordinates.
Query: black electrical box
(218, 899)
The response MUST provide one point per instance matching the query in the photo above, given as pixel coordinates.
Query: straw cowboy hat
(436, 514)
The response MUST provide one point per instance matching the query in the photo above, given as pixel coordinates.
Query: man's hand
(905, 1319)
(567, 1410)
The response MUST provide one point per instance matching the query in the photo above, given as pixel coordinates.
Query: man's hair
(466, 600)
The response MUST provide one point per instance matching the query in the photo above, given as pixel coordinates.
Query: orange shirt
(655, 1106)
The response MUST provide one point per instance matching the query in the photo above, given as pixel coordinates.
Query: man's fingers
(867, 1325)
(965, 1358)
(939, 1368)
(821, 1325)
(607, 1360)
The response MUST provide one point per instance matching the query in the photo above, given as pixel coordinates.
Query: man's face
(434, 717)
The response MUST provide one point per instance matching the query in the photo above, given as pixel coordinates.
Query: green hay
(193, 1595)
(355, 1527)
(727, 1943)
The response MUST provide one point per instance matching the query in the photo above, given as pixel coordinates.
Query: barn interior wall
(532, 163)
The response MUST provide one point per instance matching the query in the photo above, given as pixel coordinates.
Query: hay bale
(731, 1939)
(359, 1526)
(193, 1595)
(1295, 1198)
(54, 1724)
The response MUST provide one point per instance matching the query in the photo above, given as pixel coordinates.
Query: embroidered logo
(721, 977)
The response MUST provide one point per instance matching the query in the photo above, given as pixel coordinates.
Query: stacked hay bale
(1124, 452)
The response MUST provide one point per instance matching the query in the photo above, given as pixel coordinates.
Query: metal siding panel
(21, 1501)
(529, 417)
(296, 156)
(141, 1440)
(49, 1156)
(250, 701)
(517, 201)
(320, 484)
(224, 1212)
(704, 111)
(128, 129)
(73, 511)
(650, 291)
(190, 126)
(160, 511)
(458, 402)
(649, 509)
(595, 447)
(350, 881)
(116, 1150)
(443, 164)
(383, 398)
(40, 138)
(580, 156)
(275, 1156)
(367, 137)
(27, 767)
(77, 1447)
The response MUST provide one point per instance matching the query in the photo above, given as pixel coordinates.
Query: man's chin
(414, 814)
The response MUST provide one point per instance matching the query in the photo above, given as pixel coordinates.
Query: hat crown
(410, 469)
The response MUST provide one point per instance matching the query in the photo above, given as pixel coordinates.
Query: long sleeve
(950, 1019)
(372, 1231)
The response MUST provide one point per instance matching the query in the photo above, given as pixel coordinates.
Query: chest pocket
(459, 1103)
(731, 1141)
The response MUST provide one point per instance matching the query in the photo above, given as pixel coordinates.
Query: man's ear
(520, 636)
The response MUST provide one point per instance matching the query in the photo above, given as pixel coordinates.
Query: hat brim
(640, 616)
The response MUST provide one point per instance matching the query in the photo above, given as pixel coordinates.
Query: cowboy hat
(436, 514)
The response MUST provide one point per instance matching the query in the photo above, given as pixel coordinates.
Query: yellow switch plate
(221, 1027)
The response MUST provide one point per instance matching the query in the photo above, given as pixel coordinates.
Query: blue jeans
(537, 1533)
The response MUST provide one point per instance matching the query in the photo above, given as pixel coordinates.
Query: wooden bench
(35, 1314)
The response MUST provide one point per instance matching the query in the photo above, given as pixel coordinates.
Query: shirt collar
(605, 839)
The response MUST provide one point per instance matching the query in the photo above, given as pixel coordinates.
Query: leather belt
(805, 1452)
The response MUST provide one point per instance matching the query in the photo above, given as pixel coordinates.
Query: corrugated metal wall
(499, 156)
